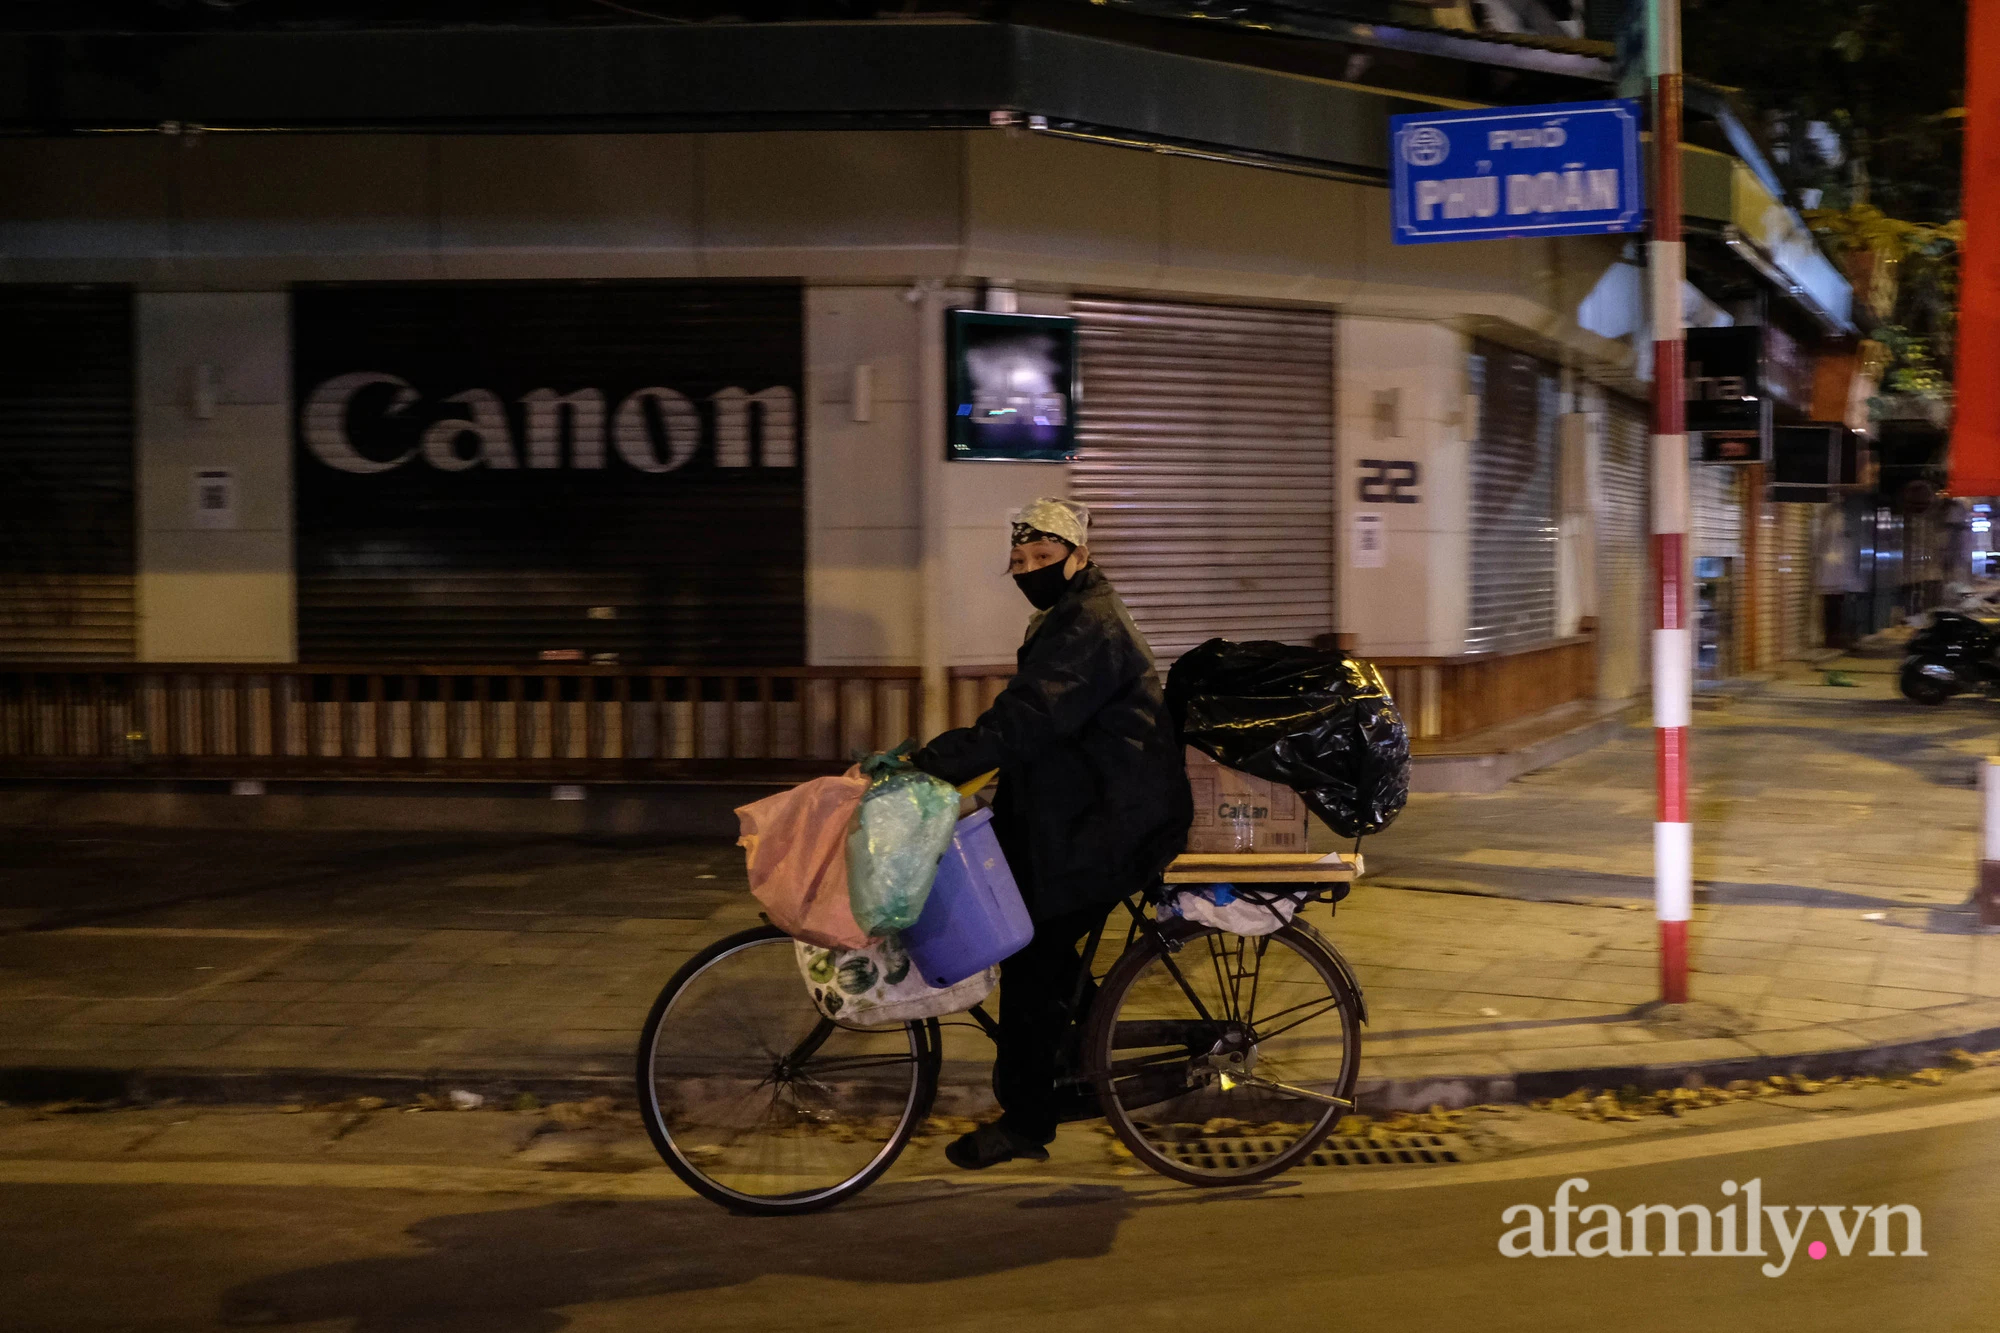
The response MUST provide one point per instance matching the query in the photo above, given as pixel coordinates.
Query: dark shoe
(990, 1145)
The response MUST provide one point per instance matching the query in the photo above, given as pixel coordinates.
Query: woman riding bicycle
(1093, 803)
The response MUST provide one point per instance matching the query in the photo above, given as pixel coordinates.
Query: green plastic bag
(906, 821)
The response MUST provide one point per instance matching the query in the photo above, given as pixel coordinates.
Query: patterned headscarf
(1062, 520)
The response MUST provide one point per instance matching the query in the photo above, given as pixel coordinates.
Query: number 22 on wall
(1388, 481)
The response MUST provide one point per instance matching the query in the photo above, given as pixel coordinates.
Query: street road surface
(393, 1223)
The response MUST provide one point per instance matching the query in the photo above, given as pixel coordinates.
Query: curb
(56, 1083)
(1454, 1092)
(694, 809)
(968, 1096)
(1484, 774)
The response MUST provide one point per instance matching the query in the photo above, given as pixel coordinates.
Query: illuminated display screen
(1012, 386)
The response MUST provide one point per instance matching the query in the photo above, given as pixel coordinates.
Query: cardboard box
(1234, 812)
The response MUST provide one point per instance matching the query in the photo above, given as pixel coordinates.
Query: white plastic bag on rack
(876, 985)
(1219, 906)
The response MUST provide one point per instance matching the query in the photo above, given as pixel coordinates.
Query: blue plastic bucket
(974, 916)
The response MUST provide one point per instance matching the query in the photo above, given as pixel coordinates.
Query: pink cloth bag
(796, 847)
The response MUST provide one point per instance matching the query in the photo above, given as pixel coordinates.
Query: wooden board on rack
(1263, 868)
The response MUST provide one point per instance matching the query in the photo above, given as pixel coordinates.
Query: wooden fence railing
(1442, 698)
(577, 723)
(543, 723)
(973, 688)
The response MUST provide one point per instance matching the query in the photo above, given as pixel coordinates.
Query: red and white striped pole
(1673, 646)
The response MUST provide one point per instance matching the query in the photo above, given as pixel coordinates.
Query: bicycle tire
(926, 1054)
(1126, 973)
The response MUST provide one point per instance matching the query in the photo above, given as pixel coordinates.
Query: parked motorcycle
(1954, 654)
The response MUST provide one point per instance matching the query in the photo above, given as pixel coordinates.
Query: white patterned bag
(876, 985)
(1223, 907)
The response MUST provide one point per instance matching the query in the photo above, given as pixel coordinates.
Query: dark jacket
(1093, 798)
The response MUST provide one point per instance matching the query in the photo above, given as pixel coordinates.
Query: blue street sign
(1566, 169)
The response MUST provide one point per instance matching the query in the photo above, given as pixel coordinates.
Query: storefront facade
(399, 401)
(517, 472)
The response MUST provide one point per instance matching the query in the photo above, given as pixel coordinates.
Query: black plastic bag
(1319, 722)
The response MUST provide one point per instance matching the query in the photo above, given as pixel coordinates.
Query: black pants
(1036, 987)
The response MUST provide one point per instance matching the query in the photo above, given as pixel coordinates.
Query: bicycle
(760, 1104)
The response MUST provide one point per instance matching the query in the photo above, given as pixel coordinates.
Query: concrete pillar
(906, 552)
(1405, 547)
(983, 615)
(936, 528)
(216, 581)
(863, 501)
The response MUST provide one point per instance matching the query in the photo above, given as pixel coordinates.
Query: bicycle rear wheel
(1224, 1059)
(758, 1102)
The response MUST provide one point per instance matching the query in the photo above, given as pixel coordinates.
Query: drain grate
(1391, 1150)
(1232, 1154)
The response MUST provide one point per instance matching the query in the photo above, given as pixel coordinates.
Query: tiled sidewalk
(1835, 840)
(1511, 990)
(1505, 942)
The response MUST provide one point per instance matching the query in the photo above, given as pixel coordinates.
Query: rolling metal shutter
(1717, 512)
(1801, 621)
(605, 471)
(1769, 575)
(1207, 451)
(66, 474)
(1513, 501)
(1624, 563)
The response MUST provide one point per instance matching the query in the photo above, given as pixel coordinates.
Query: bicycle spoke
(1324, 1006)
(1322, 998)
(1250, 1014)
(743, 1029)
(739, 1123)
(811, 1042)
(1220, 1102)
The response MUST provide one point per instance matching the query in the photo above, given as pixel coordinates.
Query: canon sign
(653, 429)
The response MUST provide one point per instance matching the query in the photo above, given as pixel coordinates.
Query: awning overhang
(944, 74)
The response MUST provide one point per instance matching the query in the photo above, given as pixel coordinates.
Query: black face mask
(1043, 587)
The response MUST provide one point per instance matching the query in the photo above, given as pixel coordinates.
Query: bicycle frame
(991, 1026)
(1133, 903)
(1111, 1066)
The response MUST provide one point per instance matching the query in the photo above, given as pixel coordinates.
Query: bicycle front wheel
(761, 1104)
(1223, 1059)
